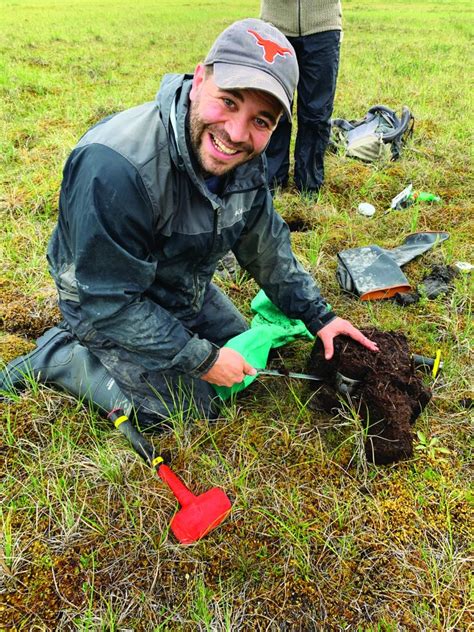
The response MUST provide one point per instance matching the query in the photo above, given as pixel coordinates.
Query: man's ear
(199, 76)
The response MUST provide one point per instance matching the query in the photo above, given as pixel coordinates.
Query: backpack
(379, 135)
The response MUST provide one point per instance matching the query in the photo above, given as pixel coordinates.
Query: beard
(209, 165)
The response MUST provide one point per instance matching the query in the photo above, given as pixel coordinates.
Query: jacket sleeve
(111, 229)
(264, 250)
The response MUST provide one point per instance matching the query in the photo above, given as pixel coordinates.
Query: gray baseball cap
(253, 54)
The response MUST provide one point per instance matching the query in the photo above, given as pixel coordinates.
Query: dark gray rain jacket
(139, 236)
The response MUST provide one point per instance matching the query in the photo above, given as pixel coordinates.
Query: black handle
(141, 446)
(431, 365)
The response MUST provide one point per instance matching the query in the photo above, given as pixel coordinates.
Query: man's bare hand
(338, 327)
(229, 369)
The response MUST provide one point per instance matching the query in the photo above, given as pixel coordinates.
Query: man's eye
(261, 123)
(228, 102)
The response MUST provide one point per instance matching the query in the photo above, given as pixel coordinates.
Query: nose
(238, 129)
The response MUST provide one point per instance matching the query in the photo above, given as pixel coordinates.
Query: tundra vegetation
(318, 539)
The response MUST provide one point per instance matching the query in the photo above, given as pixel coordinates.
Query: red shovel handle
(179, 489)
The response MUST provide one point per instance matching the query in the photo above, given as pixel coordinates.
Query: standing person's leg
(318, 58)
(278, 154)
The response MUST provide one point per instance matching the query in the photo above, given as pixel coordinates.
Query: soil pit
(388, 396)
(298, 225)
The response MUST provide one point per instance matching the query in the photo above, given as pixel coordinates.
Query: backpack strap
(343, 124)
(402, 126)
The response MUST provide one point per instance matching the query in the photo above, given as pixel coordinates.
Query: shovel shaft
(141, 446)
(179, 489)
(147, 452)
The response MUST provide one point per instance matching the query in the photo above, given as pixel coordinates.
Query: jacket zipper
(299, 17)
(214, 235)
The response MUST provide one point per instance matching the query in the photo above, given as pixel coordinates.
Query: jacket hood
(172, 100)
(167, 99)
(170, 85)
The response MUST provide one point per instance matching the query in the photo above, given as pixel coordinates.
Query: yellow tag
(157, 460)
(436, 364)
(120, 420)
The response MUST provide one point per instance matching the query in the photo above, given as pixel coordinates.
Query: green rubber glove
(269, 329)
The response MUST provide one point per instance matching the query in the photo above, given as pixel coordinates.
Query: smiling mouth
(219, 145)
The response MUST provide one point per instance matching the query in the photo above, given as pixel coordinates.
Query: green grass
(318, 538)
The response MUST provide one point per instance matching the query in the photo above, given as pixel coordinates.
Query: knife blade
(298, 376)
(344, 385)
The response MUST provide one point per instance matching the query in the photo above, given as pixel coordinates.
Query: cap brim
(234, 76)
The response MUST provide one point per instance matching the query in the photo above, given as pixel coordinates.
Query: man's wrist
(208, 363)
(323, 320)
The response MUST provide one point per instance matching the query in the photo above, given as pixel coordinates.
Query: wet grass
(318, 539)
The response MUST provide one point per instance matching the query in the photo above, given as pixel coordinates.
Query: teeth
(221, 147)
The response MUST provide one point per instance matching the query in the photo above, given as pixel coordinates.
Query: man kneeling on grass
(151, 199)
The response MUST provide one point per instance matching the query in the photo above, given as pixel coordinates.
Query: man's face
(228, 127)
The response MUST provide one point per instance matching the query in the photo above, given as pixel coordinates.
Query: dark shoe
(60, 360)
(277, 186)
(227, 267)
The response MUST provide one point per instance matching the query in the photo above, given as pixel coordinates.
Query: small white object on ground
(403, 196)
(464, 266)
(366, 209)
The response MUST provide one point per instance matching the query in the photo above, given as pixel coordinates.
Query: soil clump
(439, 281)
(388, 396)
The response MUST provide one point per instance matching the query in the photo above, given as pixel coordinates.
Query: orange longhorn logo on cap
(272, 49)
